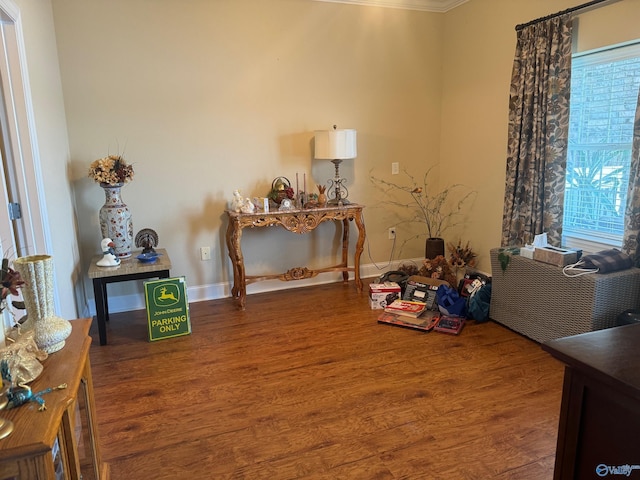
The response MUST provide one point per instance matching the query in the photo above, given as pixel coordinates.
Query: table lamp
(336, 145)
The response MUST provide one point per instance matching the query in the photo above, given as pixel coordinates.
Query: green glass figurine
(22, 394)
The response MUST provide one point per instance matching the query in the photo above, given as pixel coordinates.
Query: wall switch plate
(395, 168)
(205, 253)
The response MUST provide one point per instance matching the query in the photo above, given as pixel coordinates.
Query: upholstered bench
(537, 300)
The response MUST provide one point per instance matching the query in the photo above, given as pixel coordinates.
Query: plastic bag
(479, 304)
(450, 302)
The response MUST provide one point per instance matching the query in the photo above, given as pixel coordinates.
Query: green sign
(167, 308)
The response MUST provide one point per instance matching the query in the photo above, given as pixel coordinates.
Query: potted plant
(436, 211)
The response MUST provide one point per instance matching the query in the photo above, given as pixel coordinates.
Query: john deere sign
(167, 308)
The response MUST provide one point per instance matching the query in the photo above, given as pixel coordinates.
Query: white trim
(439, 6)
(588, 245)
(9, 11)
(585, 240)
(127, 303)
(608, 54)
(22, 132)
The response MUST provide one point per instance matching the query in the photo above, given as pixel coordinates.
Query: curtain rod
(558, 14)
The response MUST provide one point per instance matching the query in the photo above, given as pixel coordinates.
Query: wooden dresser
(60, 442)
(600, 412)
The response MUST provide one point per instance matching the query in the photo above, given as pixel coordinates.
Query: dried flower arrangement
(111, 170)
(461, 257)
(441, 268)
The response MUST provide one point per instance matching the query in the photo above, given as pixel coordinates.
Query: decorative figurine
(109, 258)
(237, 202)
(22, 394)
(322, 196)
(286, 205)
(247, 206)
(147, 239)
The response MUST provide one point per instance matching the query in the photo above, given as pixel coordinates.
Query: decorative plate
(148, 257)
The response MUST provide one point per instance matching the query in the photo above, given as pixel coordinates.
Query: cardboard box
(382, 294)
(555, 255)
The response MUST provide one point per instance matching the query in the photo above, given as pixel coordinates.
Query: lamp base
(334, 202)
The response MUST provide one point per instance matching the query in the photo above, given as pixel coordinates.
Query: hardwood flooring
(305, 384)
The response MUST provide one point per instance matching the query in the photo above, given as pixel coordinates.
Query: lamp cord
(393, 247)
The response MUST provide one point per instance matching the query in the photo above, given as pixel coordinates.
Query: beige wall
(205, 97)
(479, 44)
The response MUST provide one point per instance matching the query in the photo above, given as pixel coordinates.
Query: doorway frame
(25, 184)
(21, 174)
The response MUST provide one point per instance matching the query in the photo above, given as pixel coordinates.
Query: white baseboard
(199, 293)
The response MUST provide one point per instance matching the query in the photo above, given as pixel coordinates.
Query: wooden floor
(306, 384)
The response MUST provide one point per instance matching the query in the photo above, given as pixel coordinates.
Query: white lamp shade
(335, 144)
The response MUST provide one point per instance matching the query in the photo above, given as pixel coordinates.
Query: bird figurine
(22, 393)
(109, 258)
(147, 239)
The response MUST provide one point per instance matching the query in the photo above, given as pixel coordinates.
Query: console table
(600, 411)
(296, 221)
(129, 269)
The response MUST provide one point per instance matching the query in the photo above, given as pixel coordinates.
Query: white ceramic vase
(50, 331)
(115, 220)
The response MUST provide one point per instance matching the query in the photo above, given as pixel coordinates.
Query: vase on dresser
(115, 220)
(50, 331)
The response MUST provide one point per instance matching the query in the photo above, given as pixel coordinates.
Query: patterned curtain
(538, 133)
(632, 212)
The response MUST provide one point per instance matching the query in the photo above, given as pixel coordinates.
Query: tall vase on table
(112, 172)
(115, 220)
(50, 331)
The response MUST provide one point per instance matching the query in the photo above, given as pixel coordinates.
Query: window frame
(585, 240)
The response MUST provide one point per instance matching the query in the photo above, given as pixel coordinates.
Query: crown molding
(422, 5)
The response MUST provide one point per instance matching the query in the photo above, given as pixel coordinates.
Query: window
(604, 95)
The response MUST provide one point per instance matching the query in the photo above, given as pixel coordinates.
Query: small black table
(129, 269)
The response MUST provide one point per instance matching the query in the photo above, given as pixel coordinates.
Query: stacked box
(382, 294)
(555, 255)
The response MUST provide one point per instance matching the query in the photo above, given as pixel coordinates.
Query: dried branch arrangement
(436, 211)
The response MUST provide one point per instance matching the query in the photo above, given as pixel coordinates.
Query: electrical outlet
(205, 253)
(392, 233)
(395, 168)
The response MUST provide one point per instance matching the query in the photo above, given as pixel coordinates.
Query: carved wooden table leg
(234, 236)
(359, 247)
(345, 249)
